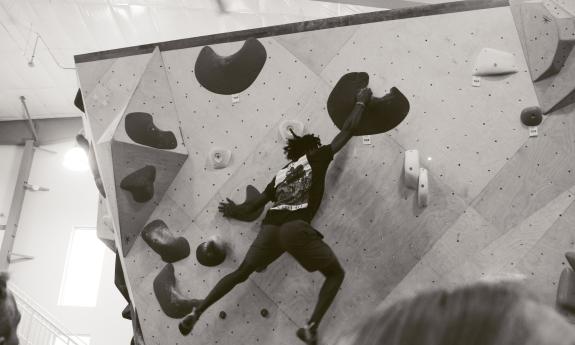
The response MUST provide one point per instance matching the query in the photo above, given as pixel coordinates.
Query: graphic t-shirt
(297, 189)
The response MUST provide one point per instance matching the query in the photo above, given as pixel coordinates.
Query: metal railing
(37, 327)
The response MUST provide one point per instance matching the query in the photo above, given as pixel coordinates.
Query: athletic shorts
(298, 238)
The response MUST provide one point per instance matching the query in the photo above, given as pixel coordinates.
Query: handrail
(37, 326)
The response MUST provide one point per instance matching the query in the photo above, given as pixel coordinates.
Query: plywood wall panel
(317, 48)
(210, 120)
(433, 68)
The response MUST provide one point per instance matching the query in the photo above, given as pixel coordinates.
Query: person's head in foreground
(9, 314)
(482, 314)
(298, 146)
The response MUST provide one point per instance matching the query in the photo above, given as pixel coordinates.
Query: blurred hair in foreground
(480, 314)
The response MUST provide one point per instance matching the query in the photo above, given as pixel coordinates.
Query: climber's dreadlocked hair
(299, 146)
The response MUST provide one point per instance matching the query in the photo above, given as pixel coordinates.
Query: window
(83, 269)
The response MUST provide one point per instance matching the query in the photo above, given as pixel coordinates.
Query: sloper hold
(211, 253)
(227, 75)
(157, 235)
(140, 183)
(141, 129)
(381, 114)
(531, 116)
(171, 301)
(494, 62)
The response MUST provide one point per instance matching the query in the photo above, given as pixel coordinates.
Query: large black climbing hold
(78, 101)
(570, 256)
(119, 279)
(228, 75)
(211, 253)
(381, 114)
(85, 145)
(141, 129)
(173, 304)
(127, 312)
(140, 183)
(251, 194)
(531, 116)
(157, 235)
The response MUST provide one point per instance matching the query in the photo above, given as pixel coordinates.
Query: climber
(296, 192)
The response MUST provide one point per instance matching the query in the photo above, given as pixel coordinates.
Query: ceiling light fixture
(31, 61)
(76, 159)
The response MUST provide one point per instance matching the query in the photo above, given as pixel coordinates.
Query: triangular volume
(317, 48)
(545, 26)
(151, 119)
(141, 177)
(109, 96)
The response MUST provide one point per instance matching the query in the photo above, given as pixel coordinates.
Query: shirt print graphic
(293, 184)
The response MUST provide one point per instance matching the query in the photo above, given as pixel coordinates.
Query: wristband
(360, 103)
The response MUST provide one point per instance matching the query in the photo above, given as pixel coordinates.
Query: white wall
(47, 221)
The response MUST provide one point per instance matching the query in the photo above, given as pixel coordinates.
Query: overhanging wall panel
(372, 222)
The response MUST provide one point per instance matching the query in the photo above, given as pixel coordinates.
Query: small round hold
(223, 315)
(264, 312)
(211, 253)
(531, 116)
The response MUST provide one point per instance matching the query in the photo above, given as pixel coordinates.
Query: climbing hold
(423, 191)
(140, 183)
(570, 256)
(141, 129)
(566, 289)
(287, 126)
(219, 158)
(228, 75)
(119, 279)
(85, 145)
(157, 235)
(264, 312)
(411, 168)
(223, 315)
(494, 62)
(78, 101)
(171, 301)
(531, 116)
(127, 312)
(212, 252)
(381, 114)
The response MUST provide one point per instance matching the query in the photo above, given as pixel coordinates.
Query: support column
(11, 227)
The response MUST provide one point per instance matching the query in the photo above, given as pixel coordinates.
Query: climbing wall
(547, 29)
(500, 203)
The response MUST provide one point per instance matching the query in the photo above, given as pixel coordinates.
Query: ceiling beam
(49, 131)
(388, 4)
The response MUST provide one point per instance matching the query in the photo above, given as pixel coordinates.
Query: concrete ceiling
(56, 30)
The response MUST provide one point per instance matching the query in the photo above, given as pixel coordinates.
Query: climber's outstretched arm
(362, 98)
(239, 211)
